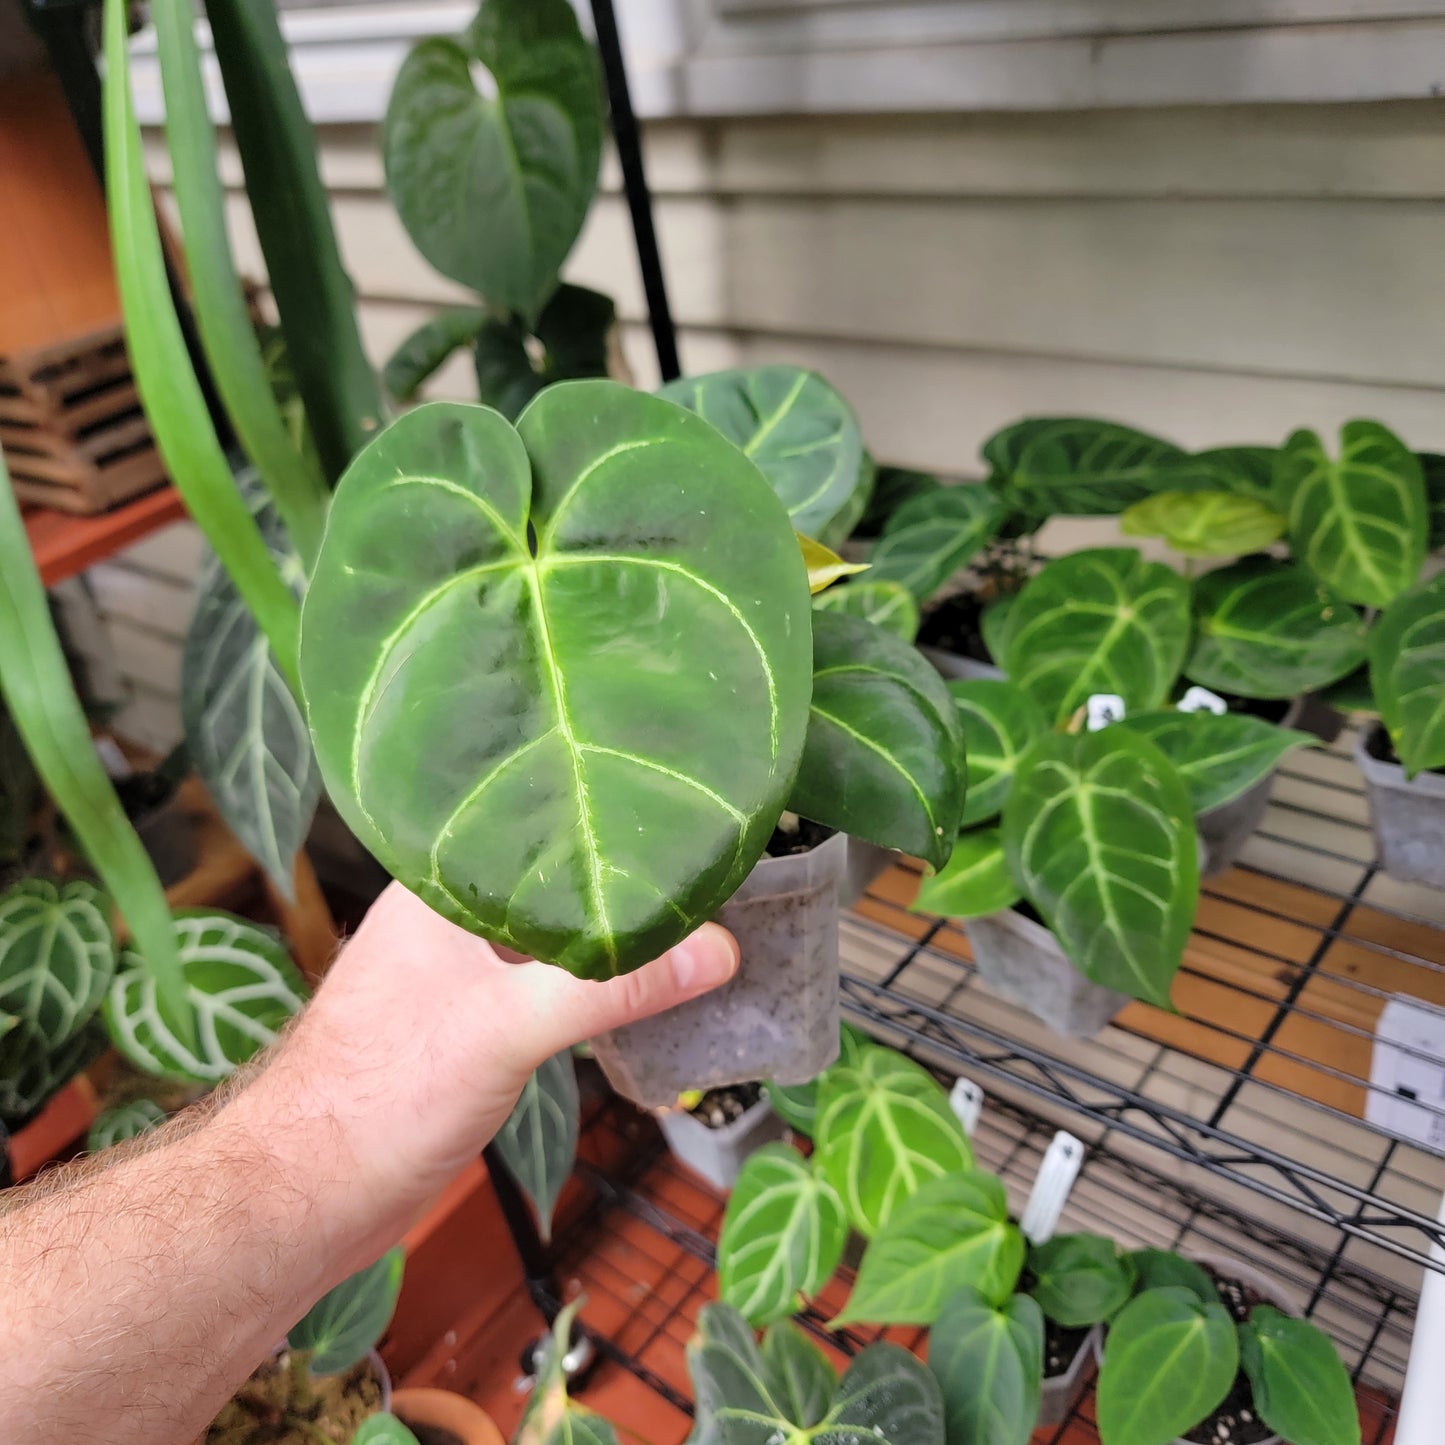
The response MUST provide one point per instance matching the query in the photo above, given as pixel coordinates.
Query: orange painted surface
(65, 545)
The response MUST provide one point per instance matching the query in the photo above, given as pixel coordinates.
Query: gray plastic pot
(1408, 816)
(1061, 1393)
(1021, 961)
(951, 664)
(866, 863)
(719, 1154)
(777, 1019)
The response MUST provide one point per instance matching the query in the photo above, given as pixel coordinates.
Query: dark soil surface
(1061, 1345)
(431, 1434)
(802, 837)
(1377, 744)
(720, 1107)
(953, 626)
(1234, 1422)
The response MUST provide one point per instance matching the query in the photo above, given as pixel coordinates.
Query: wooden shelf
(65, 545)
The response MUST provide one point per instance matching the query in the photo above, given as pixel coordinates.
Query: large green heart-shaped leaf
(57, 956)
(348, 1320)
(552, 1417)
(1205, 524)
(932, 535)
(1218, 756)
(524, 158)
(1268, 630)
(31, 1074)
(1248, 471)
(953, 1233)
(801, 433)
(1101, 620)
(888, 605)
(782, 1236)
(999, 720)
(538, 1143)
(240, 983)
(577, 668)
(1169, 1360)
(884, 758)
(989, 1364)
(1080, 1279)
(884, 1130)
(124, 1121)
(1359, 523)
(1099, 832)
(797, 1104)
(427, 348)
(1407, 675)
(1301, 1389)
(973, 883)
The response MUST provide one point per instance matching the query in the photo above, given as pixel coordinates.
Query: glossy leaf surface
(524, 157)
(1269, 630)
(782, 1236)
(124, 1121)
(1301, 1388)
(999, 721)
(1080, 1279)
(552, 1417)
(1163, 1269)
(989, 1364)
(884, 758)
(427, 348)
(932, 535)
(31, 1074)
(582, 752)
(888, 605)
(1248, 471)
(348, 1320)
(993, 625)
(797, 1104)
(1205, 524)
(1407, 675)
(892, 486)
(1101, 620)
(1358, 522)
(974, 882)
(1100, 834)
(538, 1143)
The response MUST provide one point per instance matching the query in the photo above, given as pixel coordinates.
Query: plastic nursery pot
(1021, 961)
(1061, 1392)
(777, 1019)
(1408, 815)
(866, 862)
(426, 1410)
(718, 1154)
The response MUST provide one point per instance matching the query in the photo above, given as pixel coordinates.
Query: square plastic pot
(719, 1154)
(1021, 961)
(777, 1019)
(866, 863)
(1407, 815)
(1061, 1393)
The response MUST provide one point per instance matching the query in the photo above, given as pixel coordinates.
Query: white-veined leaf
(538, 1143)
(932, 535)
(797, 1104)
(888, 605)
(348, 1320)
(989, 1364)
(124, 1121)
(973, 883)
(30, 1074)
(1407, 674)
(999, 721)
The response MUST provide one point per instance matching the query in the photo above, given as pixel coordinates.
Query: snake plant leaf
(426, 350)
(1169, 1361)
(1100, 835)
(579, 752)
(1407, 675)
(538, 1143)
(1163, 1269)
(932, 535)
(999, 721)
(383, 1430)
(953, 1233)
(242, 987)
(888, 605)
(797, 1104)
(525, 157)
(1359, 523)
(892, 486)
(1268, 630)
(1083, 467)
(825, 566)
(1080, 1279)
(1432, 469)
(884, 1130)
(551, 1417)
(973, 883)
(348, 1320)
(1218, 756)
(1247, 471)
(989, 1364)
(1100, 620)
(1301, 1389)
(57, 956)
(884, 756)
(1205, 524)
(244, 727)
(124, 1121)
(31, 1075)
(782, 1236)
(801, 433)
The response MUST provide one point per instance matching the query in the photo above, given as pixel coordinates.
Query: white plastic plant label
(117, 766)
(1061, 1164)
(966, 1100)
(1200, 699)
(1102, 709)
(1407, 1073)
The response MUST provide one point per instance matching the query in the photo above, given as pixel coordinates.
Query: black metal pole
(634, 180)
(534, 1255)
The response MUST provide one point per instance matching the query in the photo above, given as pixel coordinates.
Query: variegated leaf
(934, 534)
(1407, 673)
(538, 1143)
(999, 721)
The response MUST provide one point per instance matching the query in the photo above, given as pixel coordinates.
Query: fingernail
(705, 960)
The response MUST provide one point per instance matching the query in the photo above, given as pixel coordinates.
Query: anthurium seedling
(552, 1417)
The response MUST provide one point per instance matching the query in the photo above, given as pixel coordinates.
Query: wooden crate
(72, 427)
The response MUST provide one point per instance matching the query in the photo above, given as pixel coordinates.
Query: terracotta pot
(446, 1411)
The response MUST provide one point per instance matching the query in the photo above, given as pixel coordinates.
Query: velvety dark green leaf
(383, 1430)
(1269, 630)
(989, 1364)
(124, 1121)
(999, 721)
(240, 982)
(1169, 1360)
(1101, 620)
(538, 1143)
(886, 1395)
(932, 535)
(347, 1321)
(974, 882)
(524, 158)
(798, 1375)
(889, 605)
(1301, 1388)
(1163, 1269)
(429, 346)
(801, 433)
(1248, 471)
(57, 956)
(1432, 468)
(1218, 756)
(1358, 523)
(1100, 834)
(884, 1130)
(1407, 674)
(782, 1236)
(1205, 524)
(551, 1417)
(884, 757)
(952, 1233)
(797, 1104)
(31, 1074)
(579, 753)
(1080, 1279)
(891, 488)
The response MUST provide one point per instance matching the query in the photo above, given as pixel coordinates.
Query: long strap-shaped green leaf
(37, 689)
(313, 292)
(226, 331)
(168, 387)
